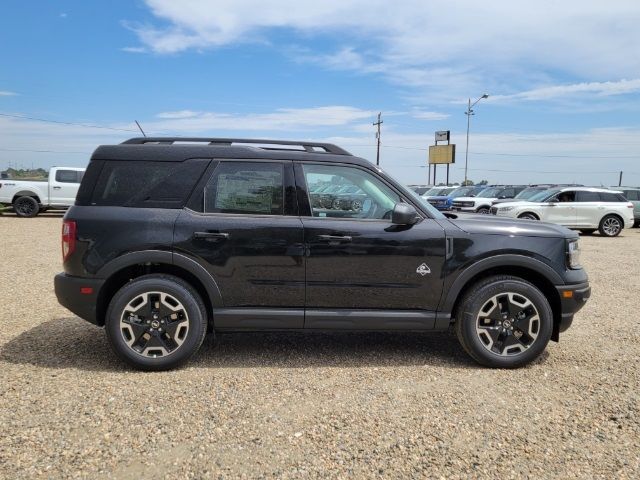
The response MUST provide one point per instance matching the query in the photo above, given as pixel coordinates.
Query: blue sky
(563, 80)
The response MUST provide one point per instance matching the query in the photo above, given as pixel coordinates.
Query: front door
(250, 239)
(357, 259)
(561, 209)
(64, 187)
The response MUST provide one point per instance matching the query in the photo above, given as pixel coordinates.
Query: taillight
(68, 238)
(630, 205)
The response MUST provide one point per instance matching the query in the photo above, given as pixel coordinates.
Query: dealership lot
(317, 405)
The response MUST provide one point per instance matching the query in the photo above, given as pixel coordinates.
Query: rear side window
(612, 197)
(147, 184)
(68, 176)
(246, 187)
(588, 196)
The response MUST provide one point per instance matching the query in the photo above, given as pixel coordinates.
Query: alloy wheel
(611, 226)
(508, 324)
(154, 324)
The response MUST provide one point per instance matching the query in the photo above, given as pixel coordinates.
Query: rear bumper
(572, 299)
(79, 295)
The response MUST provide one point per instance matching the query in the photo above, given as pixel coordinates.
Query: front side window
(246, 187)
(356, 193)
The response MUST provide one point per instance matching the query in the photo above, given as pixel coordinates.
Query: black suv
(170, 238)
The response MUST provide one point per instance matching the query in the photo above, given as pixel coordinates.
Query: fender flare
(25, 193)
(505, 260)
(170, 258)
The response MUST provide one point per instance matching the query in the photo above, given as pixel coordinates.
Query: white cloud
(134, 49)
(284, 119)
(5, 93)
(443, 50)
(602, 89)
(426, 115)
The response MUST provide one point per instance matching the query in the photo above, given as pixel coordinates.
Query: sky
(563, 80)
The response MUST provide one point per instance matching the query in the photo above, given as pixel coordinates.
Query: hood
(437, 197)
(491, 225)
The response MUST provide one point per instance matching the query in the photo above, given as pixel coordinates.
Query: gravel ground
(318, 405)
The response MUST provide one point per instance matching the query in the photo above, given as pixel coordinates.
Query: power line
(24, 117)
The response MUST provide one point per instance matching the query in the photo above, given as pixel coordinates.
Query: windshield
(462, 192)
(529, 192)
(543, 195)
(490, 192)
(433, 191)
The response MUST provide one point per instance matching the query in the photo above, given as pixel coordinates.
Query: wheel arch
(26, 193)
(530, 270)
(612, 214)
(529, 212)
(128, 267)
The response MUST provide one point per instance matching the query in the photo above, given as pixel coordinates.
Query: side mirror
(404, 214)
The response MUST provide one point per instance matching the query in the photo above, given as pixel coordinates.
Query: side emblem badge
(423, 269)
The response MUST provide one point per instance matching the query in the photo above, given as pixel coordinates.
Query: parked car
(633, 195)
(444, 202)
(581, 208)
(29, 197)
(439, 191)
(420, 189)
(222, 236)
(481, 203)
(532, 190)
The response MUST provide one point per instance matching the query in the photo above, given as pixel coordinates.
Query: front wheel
(610, 226)
(504, 322)
(484, 210)
(26, 207)
(528, 216)
(156, 322)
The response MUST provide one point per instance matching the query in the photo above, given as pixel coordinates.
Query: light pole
(468, 113)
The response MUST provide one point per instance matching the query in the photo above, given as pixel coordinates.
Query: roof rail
(310, 147)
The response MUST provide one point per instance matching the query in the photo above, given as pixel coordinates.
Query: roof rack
(310, 147)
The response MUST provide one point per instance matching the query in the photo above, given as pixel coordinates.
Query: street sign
(443, 136)
(442, 154)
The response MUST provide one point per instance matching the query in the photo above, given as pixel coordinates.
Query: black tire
(528, 216)
(146, 353)
(587, 231)
(484, 210)
(476, 335)
(610, 226)
(26, 207)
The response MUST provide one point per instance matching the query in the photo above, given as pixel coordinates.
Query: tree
(467, 183)
(483, 182)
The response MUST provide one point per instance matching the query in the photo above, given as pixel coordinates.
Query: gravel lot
(319, 405)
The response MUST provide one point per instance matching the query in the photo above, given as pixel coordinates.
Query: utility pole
(378, 123)
(620, 180)
(468, 113)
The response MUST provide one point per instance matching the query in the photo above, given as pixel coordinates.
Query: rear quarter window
(146, 184)
(612, 197)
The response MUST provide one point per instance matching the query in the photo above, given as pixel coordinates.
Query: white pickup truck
(28, 197)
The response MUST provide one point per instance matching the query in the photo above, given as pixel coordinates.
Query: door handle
(211, 235)
(335, 238)
(57, 188)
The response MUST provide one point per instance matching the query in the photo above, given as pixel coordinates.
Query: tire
(26, 207)
(587, 231)
(484, 210)
(356, 205)
(610, 226)
(159, 342)
(528, 216)
(493, 343)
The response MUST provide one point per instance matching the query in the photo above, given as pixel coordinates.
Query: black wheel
(528, 216)
(587, 231)
(26, 207)
(484, 210)
(610, 226)
(156, 322)
(504, 322)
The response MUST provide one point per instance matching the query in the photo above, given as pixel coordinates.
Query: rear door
(357, 260)
(246, 233)
(588, 209)
(63, 187)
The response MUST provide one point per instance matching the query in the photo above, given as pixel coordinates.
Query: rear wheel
(504, 322)
(610, 226)
(26, 207)
(484, 210)
(156, 322)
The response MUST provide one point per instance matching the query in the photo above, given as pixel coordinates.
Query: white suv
(580, 208)
(481, 203)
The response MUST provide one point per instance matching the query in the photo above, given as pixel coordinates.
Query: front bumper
(80, 295)
(572, 299)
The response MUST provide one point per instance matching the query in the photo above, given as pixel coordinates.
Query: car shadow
(73, 343)
(47, 214)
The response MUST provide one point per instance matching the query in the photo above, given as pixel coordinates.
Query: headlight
(505, 209)
(573, 254)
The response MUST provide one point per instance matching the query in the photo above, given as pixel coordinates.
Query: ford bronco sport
(171, 238)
